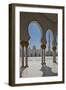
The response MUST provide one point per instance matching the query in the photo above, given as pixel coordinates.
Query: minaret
(49, 44)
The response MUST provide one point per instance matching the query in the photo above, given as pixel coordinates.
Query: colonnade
(25, 44)
(44, 22)
(43, 46)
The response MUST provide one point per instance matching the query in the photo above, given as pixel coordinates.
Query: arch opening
(49, 39)
(35, 33)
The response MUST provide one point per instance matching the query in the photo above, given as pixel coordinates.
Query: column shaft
(22, 56)
(42, 56)
(54, 56)
(26, 56)
(43, 46)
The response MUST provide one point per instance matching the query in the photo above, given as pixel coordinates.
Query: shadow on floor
(47, 71)
(21, 71)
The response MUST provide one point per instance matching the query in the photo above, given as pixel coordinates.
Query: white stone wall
(31, 52)
(34, 52)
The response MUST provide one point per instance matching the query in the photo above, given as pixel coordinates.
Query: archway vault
(46, 21)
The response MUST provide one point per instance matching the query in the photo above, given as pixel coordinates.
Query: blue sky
(35, 34)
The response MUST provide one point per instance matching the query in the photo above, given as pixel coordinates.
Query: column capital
(54, 48)
(43, 46)
(24, 43)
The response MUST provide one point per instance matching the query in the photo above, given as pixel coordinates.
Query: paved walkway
(35, 68)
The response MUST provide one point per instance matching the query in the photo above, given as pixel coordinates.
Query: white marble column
(54, 44)
(42, 56)
(26, 57)
(26, 52)
(22, 56)
(43, 46)
(54, 54)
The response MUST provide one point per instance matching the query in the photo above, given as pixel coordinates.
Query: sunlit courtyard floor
(36, 69)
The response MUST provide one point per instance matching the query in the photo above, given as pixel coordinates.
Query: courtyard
(36, 69)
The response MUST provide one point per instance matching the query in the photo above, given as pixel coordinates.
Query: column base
(22, 67)
(43, 63)
(54, 62)
(26, 66)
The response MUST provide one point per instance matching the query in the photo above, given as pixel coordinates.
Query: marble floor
(35, 69)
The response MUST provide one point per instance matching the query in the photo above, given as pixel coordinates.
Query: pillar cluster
(54, 54)
(24, 45)
(54, 49)
(43, 46)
